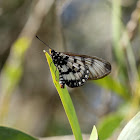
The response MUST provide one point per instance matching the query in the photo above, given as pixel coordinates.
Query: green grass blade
(94, 134)
(109, 124)
(13, 134)
(66, 100)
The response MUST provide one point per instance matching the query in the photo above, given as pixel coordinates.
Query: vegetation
(20, 101)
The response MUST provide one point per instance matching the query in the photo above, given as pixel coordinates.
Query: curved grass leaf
(94, 134)
(132, 130)
(13, 134)
(108, 125)
(66, 100)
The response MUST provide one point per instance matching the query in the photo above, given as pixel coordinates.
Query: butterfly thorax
(58, 59)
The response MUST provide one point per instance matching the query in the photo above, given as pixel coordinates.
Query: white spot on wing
(83, 80)
(79, 83)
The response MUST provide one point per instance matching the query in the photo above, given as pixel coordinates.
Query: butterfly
(75, 70)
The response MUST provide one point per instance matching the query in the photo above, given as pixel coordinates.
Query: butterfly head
(52, 52)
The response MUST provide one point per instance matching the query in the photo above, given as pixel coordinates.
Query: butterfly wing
(72, 71)
(98, 68)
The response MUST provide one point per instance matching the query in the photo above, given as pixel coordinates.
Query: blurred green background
(102, 28)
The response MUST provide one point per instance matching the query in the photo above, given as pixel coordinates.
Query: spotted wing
(72, 71)
(98, 68)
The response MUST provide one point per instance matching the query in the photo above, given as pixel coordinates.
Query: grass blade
(66, 100)
(94, 134)
(109, 124)
(132, 130)
(13, 134)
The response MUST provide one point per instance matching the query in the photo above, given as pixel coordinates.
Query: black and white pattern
(75, 70)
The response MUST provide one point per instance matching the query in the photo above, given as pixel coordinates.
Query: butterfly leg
(51, 63)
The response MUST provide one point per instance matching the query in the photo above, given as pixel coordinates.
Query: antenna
(43, 42)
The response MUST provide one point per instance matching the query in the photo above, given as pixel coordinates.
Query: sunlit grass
(66, 100)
